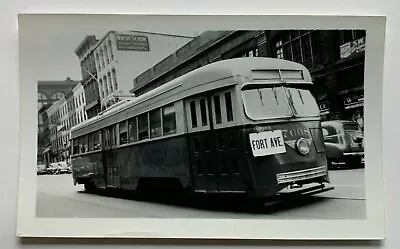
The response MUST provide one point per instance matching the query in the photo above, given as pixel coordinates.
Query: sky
(48, 42)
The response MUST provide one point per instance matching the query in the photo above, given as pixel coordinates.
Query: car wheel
(353, 162)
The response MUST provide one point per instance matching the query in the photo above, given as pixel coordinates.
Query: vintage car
(344, 143)
(41, 169)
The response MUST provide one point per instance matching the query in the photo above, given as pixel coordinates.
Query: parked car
(41, 169)
(64, 167)
(57, 168)
(344, 142)
(54, 168)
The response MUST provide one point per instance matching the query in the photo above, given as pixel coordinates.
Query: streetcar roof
(248, 67)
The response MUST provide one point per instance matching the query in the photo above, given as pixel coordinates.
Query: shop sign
(132, 42)
(353, 99)
(324, 106)
(352, 48)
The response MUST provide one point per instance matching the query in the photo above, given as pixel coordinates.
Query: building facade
(54, 127)
(208, 47)
(80, 103)
(85, 53)
(49, 92)
(335, 59)
(121, 56)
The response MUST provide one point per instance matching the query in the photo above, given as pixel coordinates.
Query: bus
(244, 126)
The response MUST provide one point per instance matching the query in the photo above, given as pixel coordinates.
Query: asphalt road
(58, 198)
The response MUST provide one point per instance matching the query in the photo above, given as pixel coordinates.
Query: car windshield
(263, 102)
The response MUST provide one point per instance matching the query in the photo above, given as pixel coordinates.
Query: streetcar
(246, 126)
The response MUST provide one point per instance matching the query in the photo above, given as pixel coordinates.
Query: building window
(106, 59)
(105, 86)
(57, 96)
(350, 35)
(114, 76)
(102, 58)
(98, 61)
(110, 82)
(111, 50)
(250, 53)
(297, 46)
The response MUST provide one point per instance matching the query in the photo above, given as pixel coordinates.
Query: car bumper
(353, 154)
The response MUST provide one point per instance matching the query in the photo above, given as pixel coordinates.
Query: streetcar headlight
(302, 146)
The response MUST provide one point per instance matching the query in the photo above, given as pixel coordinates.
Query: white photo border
(371, 228)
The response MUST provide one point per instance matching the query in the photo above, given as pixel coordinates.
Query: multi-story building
(55, 138)
(335, 59)
(121, 56)
(49, 92)
(206, 48)
(80, 103)
(63, 133)
(89, 75)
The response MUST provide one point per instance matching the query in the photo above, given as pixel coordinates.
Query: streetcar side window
(217, 108)
(133, 130)
(81, 149)
(203, 111)
(228, 106)
(75, 146)
(113, 135)
(104, 137)
(155, 123)
(169, 120)
(143, 126)
(123, 132)
(96, 140)
(85, 143)
(193, 114)
(91, 142)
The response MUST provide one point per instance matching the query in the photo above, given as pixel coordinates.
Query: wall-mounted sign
(352, 48)
(324, 106)
(353, 100)
(132, 42)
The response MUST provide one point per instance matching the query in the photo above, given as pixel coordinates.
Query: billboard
(132, 42)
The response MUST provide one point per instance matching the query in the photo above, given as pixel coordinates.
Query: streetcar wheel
(90, 187)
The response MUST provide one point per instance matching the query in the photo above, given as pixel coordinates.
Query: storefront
(353, 101)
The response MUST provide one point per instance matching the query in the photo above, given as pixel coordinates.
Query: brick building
(335, 59)
(85, 53)
(49, 92)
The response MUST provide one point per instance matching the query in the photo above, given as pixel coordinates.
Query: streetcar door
(109, 153)
(226, 136)
(201, 148)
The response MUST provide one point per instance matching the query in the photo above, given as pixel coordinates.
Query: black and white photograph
(155, 126)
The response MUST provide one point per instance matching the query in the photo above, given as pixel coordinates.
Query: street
(58, 198)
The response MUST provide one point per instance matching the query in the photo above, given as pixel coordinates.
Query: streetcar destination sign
(267, 143)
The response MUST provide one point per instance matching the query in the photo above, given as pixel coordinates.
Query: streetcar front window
(264, 102)
(303, 101)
